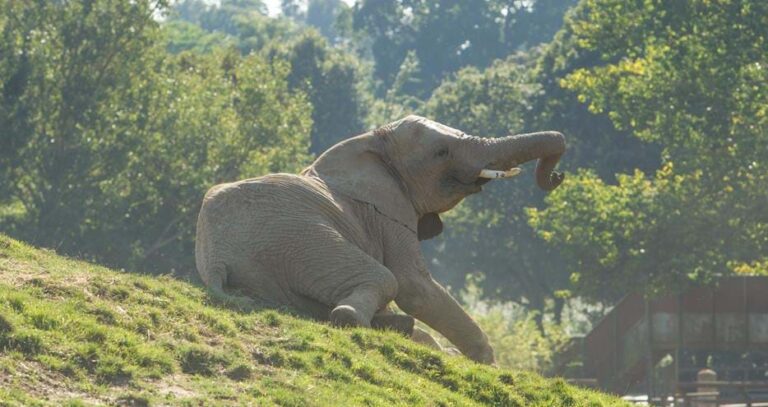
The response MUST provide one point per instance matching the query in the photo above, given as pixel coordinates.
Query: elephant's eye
(443, 152)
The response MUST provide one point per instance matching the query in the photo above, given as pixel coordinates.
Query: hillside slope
(78, 334)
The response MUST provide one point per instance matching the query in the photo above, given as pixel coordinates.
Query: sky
(273, 6)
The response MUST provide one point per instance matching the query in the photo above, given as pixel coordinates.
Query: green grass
(72, 333)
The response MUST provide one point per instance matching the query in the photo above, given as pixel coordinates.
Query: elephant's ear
(430, 225)
(358, 169)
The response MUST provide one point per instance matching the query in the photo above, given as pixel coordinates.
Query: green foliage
(227, 16)
(690, 77)
(112, 143)
(71, 63)
(332, 80)
(398, 101)
(487, 103)
(161, 345)
(323, 15)
(517, 340)
(444, 37)
(756, 268)
(536, 22)
(593, 140)
(184, 36)
(605, 228)
(243, 23)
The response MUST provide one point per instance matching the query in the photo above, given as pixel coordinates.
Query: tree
(593, 139)
(228, 16)
(322, 14)
(69, 60)
(291, 9)
(690, 77)
(114, 142)
(243, 23)
(184, 36)
(528, 24)
(446, 36)
(332, 80)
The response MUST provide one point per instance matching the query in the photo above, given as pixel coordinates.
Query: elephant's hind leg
(335, 272)
(359, 307)
(216, 283)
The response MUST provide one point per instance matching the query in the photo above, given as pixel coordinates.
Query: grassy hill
(72, 333)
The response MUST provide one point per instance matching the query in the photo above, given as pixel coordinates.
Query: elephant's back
(251, 188)
(279, 194)
(273, 205)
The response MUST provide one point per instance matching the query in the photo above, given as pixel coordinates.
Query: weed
(240, 372)
(200, 360)
(5, 325)
(28, 343)
(271, 318)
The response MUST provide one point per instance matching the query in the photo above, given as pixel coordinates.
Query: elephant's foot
(423, 337)
(482, 354)
(396, 322)
(238, 302)
(346, 316)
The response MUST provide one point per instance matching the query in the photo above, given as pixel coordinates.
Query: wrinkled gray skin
(340, 241)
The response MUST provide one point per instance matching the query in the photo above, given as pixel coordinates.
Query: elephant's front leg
(423, 337)
(405, 324)
(426, 300)
(423, 298)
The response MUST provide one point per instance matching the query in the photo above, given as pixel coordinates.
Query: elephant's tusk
(493, 174)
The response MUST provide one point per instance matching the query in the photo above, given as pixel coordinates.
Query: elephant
(340, 241)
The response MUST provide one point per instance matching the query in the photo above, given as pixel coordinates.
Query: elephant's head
(413, 169)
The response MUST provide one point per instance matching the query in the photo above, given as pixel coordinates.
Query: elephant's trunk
(547, 147)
